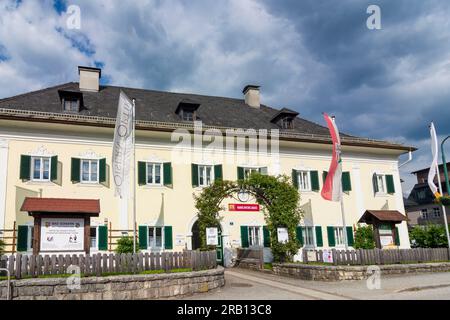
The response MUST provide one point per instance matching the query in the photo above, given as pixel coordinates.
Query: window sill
(89, 185)
(156, 186)
(37, 183)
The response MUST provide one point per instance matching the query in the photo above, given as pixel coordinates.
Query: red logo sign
(243, 207)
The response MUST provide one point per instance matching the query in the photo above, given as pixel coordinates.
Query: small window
(287, 123)
(40, 169)
(254, 236)
(339, 236)
(205, 175)
(71, 104)
(188, 115)
(381, 182)
(248, 171)
(93, 237)
(304, 181)
(89, 171)
(308, 236)
(154, 176)
(155, 237)
(436, 212)
(424, 214)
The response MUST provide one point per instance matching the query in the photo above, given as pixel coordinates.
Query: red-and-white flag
(434, 165)
(332, 188)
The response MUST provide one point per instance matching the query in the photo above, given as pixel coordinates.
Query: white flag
(434, 165)
(123, 145)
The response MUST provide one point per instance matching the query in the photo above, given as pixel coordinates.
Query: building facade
(421, 208)
(56, 143)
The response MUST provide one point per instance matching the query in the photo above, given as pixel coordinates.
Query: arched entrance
(196, 241)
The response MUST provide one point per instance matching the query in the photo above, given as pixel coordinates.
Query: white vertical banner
(123, 146)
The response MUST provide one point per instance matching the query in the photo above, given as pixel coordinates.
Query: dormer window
(187, 110)
(71, 104)
(71, 101)
(287, 123)
(285, 118)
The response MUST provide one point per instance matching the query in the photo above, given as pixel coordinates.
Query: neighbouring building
(420, 205)
(56, 192)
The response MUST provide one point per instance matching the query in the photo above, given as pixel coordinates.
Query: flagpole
(443, 207)
(134, 175)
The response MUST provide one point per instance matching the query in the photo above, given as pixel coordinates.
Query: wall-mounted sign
(327, 256)
(62, 234)
(283, 235)
(180, 240)
(212, 237)
(243, 207)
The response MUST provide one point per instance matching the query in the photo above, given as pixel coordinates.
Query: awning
(54, 205)
(382, 216)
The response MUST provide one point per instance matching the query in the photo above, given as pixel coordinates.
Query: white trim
(90, 182)
(161, 174)
(41, 169)
(4, 150)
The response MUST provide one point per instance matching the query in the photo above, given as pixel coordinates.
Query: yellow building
(56, 143)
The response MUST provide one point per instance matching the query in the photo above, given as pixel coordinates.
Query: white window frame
(438, 211)
(424, 213)
(161, 173)
(203, 167)
(253, 239)
(339, 236)
(249, 170)
(306, 185)
(312, 236)
(90, 181)
(383, 190)
(150, 245)
(41, 168)
(96, 238)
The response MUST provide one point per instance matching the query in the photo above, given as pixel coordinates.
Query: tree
(2, 247)
(125, 245)
(430, 236)
(364, 238)
(279, 201)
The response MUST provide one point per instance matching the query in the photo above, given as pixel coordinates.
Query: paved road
(251, 285)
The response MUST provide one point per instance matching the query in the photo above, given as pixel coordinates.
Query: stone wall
(338, 273)
(136, 287)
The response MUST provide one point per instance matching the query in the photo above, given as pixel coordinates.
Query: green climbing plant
(279, 201)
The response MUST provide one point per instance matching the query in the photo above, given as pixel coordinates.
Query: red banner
(243, 207)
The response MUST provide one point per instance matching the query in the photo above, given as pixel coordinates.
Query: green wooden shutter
(266, 234)
(75, 170)
(324, 176)
(240, 173)
(314, 180)
(54, 168)
(167, 168)
(319, 238)
(218, 172)
(350, 236)
(143, 237)
(168, 241)
(25, 167)
(375, 183)
(294, 178)
(194, 175)
(244, 237)
(142, 173)
(299, 234)
(397, 237)
(390, 184)
(22, 238)
(102, 170)
(346, 182)
(102, 238)
(331, 239)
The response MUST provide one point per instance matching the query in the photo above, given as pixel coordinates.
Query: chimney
(89, 78)
(251, 96)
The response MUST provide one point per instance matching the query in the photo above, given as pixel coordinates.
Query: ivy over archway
(278, 198)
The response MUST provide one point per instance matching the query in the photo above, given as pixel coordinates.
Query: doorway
(196, 242)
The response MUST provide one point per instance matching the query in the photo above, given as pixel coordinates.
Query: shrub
(364, 237)
(2, 247)
(430, 236)
(125, 245)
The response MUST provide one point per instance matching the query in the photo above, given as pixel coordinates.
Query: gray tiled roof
(160, 106)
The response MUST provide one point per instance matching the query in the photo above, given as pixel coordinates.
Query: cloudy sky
(308, 55)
